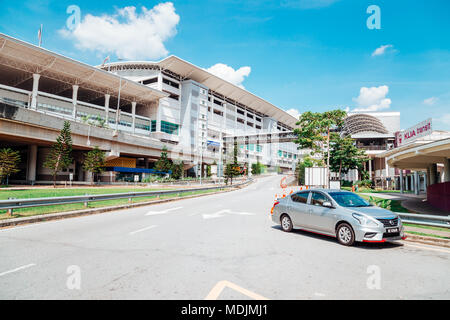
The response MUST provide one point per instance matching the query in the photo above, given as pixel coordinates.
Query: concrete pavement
(190, 248)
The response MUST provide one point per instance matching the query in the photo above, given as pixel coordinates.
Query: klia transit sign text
(420, 130)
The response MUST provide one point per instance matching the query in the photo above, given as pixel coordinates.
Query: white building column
(32, 163)
(446, 170)
(401, 182)
(74, 100)
(416, 183)
(34, 93)
(370, 168)
(107, 98)
(133, 116)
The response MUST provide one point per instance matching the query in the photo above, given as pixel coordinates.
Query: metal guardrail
(12, 204)
(425, 219)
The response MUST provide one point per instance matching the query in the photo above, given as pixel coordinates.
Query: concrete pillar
(34, 93)
(416, 183)
(74, 100)
(401, 182)
(433, 174)
(425, 181)
(446, 170)
(32, 163)
(107, 98)
(370, 168)
(407, 183)
(133, 116)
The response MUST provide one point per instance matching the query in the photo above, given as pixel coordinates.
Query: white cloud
(294, 112)
(444, 119)
(227, 73)
(430, 101)
(373, 99)
(128, 34)
(307, 4)
(381, 50)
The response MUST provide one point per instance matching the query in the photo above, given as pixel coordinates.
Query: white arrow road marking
(221, 214)
(154, 213)
(220, 286)
(17, 269)
(142, 230)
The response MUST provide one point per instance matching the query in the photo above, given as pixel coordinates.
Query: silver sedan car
(336, 213)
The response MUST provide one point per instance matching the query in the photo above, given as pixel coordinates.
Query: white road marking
(17, 269)
(142, 230)
(318, 294)
(222, 213)
(426, 248)
(154, 213)
(218, 288)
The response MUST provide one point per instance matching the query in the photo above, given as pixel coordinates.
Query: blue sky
(303, 54)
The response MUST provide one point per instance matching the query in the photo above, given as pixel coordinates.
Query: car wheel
(286, 223)
(345, 234)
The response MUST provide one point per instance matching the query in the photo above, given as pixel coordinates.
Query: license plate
(392, 230)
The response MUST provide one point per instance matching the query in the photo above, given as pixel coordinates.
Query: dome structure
(362, 123)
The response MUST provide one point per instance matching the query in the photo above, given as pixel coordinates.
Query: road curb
(80, 213)
(428, 240)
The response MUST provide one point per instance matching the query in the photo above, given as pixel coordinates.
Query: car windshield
(349, 200)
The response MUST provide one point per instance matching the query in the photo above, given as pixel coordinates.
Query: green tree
(94, 162)
(178, 170)
(164, 164)
(316, 129)
(258, 168)
(60, 156)
(233, 169)
(344, 155)
(9, 162)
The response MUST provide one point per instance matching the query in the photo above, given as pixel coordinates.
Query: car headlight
(365, 220)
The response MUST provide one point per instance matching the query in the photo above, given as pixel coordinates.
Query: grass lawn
(28, 212)
(427, 235)
(396, 205)
(50, 192)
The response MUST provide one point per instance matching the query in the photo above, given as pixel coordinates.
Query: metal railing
(425, 219)
(13, 204)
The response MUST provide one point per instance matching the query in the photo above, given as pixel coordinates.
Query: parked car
(340, 214)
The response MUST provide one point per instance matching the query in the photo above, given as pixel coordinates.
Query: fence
(425, 219)
(13, 204)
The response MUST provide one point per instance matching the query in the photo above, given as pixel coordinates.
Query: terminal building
(131, 110)
(374, 132)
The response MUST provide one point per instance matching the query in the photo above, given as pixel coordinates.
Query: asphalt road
(221, 246)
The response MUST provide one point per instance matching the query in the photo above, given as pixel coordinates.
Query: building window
(149, 81)
(219, 113)
(171, 83)
(170, 128)
(259, 148)
(153, 126)
(172, 96)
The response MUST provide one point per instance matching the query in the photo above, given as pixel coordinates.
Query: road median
(9, 223)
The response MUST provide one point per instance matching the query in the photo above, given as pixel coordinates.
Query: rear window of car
(301, 197)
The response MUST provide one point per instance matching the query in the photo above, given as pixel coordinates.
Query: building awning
(135, 170)
(418, 155)
(189, 71)
(25, 58)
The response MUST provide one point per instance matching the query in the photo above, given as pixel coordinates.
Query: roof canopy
(187, 70)
(20, 60)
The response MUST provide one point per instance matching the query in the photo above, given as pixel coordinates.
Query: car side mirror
(328, 204)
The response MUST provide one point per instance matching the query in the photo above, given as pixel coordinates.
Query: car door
(322, 218)
(298, 209)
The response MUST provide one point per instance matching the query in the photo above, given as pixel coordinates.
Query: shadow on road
(358, 245)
